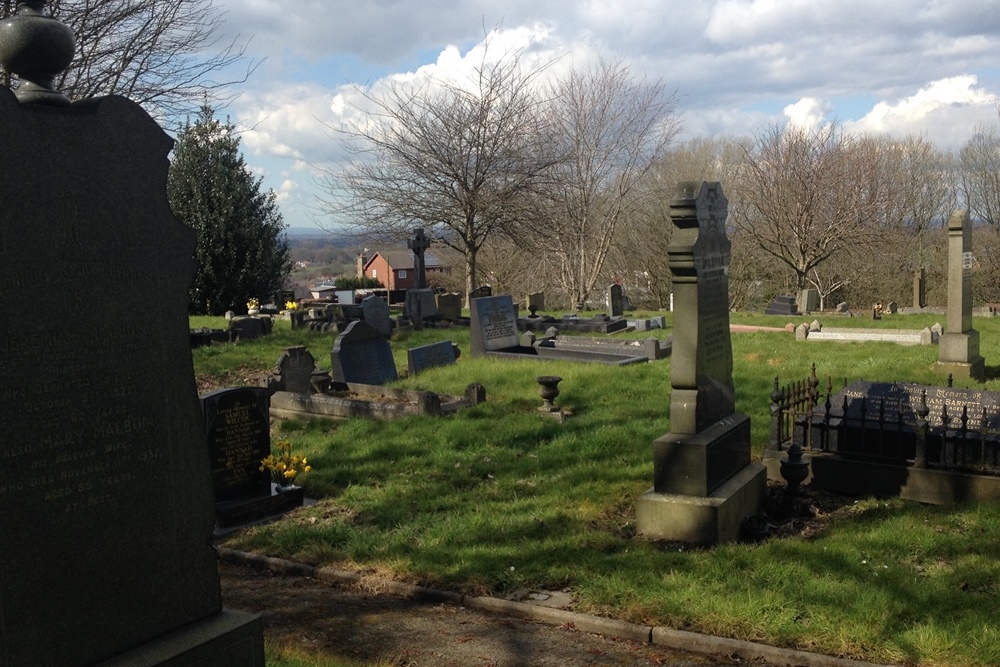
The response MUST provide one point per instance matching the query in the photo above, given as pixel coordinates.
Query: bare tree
(979, 173)
(161, 54)
(641, 251)
(806, 194)
(612, 127)
(458, 158)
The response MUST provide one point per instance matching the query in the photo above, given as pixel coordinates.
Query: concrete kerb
(659, 636)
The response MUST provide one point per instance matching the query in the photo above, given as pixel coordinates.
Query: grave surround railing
(959, 437)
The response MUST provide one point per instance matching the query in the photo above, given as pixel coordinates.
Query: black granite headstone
(105, 490)
(239, 437)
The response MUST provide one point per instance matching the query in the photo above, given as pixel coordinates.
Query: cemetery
(692, 496)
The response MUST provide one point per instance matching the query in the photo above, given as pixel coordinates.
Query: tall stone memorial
(704, 484)
(958, 347)
(105, 488)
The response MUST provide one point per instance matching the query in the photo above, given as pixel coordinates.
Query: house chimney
(361, 264)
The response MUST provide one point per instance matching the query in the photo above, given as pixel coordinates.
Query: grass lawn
(500, 497)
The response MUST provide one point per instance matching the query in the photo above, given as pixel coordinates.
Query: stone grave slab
(449, 306)
(360, 355)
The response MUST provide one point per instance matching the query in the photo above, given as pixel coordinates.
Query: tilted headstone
(493, 324)
(105, 490)
(704, 484)
(616, 300)
(361, 355)
(430, 356)
(958, 348)
(376, 313)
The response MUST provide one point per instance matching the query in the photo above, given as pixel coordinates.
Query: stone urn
(548, 390)
(36, 47)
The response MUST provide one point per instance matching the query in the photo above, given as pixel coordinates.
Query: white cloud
(808, 113)
(946, 111)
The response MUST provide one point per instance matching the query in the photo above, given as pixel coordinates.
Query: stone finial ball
(33, 44)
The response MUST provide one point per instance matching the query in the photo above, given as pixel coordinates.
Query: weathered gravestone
(493, 324)
(419, 302)
(919, 288)
(535, 302)
(616, 300)
(449, 306)
(423, 357)
(361, 355)
(704, 484)
(294, 371)
(808, 301)
(782, 304)
(376, 314)
(237, 425)
(958, 348)
(105, 490)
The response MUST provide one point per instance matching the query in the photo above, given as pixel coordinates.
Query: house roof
(403, 259)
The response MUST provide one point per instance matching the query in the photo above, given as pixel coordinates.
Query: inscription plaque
(493, 324)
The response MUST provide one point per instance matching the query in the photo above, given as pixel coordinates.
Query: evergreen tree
(242, 250)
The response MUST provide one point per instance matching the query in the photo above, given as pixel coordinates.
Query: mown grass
(500, 497)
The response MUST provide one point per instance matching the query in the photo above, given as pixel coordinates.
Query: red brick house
(394, 268)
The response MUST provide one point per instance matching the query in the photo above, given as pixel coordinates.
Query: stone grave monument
(958, 348)
(419, 359)
(420, 303)
(237, 425)
(919, 288)
(704, 484)
(362, 356)
(106, 507)
(616, 300)
(375, 311)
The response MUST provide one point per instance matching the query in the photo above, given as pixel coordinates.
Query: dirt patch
(353, 623)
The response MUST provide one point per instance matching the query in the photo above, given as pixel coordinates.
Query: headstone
(802, 332)
(421, 358)
(919, 288)
(815, 325)
(105, 492)
(616, 300)
(842, 307)
(293, 371)
(493, 324)
(375, 312)
(420, 305)
(808, 301)
(362, 356)
(418, 244)
(449, 306)
(892, 307)
(782, 304)
(534, 302)
(482, 292)
(239, 437)
(958, 349)
(704, 484)
(658, 322)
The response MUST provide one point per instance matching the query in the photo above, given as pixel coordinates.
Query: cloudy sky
(929, 67)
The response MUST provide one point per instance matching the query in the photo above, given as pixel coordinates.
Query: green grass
(499, 497)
